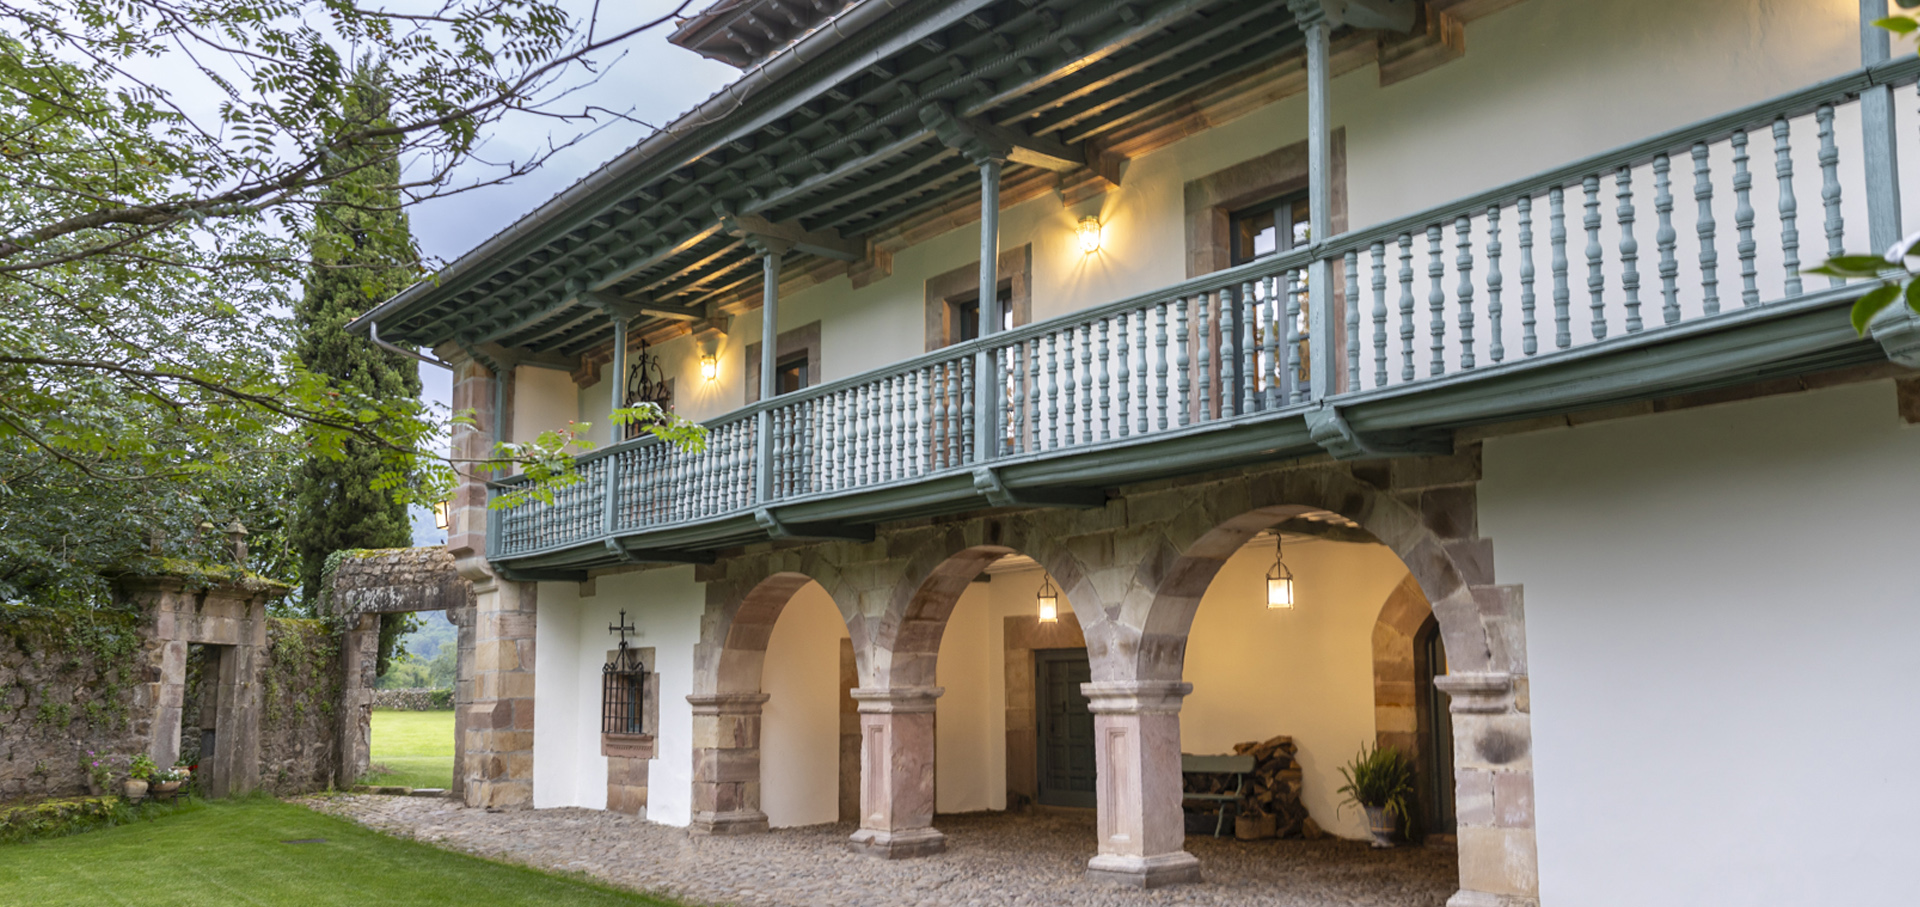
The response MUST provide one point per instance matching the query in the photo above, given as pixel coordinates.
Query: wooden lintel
(540, 576)
(824, 243)
(776, 528)
(512, 357)
(977, 137)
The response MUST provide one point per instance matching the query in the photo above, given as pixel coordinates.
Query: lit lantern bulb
(1049, 601)
(1089, 235)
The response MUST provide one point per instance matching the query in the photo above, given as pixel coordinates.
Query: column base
(1144, 872)
(1464, 898)
(898, 845)
(738, 822)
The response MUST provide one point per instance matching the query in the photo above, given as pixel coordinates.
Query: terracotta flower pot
(167, 787)
(1382, 824)
(136, 789)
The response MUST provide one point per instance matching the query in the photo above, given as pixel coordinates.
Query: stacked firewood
(1272, 789)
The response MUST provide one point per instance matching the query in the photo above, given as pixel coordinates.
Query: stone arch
(1395, 682)
(1166, 591)
(743, 605)
(906, 638)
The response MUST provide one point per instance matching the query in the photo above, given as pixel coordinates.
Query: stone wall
(417, 699)
(71, 682)
(68, 686)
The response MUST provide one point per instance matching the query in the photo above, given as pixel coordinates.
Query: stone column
(1493, 799)
(1136, 729)
(359, 656)
(896, 773)
(726, 763)
(499, 744)
(462, 618)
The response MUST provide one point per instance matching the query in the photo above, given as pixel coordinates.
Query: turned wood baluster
(890, 402)
(1379, 250)
(1296, 388)
(1140, 337)
(1596, 278)
(1122, 376)
(1436, 301)
(1789, 217)
(1160, 363)
(1629, 248)
(1353, 320)
(1182, 360)
(1704, 227)
(942, 392)
(1496, 345)
(1073, 391)
(922, 427)
(1018, 354)
(1463, 263)
(1053, 390)
(1204, 349)
(1562, 292)
(1407, 331)
(1269, 313)
(1229, 353)
(1034, 402)
(1529, 338)
(1099, 388)
(869, 470)
(966, 410)
(1743, 215)
(1667, 240)
(1830, 186)
(1085, 385)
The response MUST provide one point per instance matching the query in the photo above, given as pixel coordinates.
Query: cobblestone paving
(991, 860)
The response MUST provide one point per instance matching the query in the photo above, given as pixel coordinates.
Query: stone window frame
(641, 745)
(1211, 201)
(1015, 270)
(805, 338)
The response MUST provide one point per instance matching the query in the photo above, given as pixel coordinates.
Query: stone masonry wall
(413, 700)
(74, 682)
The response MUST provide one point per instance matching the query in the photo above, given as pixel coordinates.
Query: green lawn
(236, 852)
(415, 747)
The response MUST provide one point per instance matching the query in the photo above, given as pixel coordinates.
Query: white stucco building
(1490, 310)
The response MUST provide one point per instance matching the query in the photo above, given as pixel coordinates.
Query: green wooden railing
(1684, 228)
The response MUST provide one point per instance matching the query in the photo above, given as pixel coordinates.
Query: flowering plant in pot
(1380, 782)
(138, 773)
(99, 773)
(167, 780)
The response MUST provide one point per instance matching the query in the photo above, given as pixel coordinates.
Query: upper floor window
(790, 373)
(1270, 227)
(964, 314)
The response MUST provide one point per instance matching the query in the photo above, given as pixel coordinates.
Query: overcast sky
(654, 82)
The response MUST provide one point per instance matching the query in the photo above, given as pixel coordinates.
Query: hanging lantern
(1049, 600)
(1279, 581)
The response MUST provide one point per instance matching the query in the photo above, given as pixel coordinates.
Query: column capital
(1308, 12)
(1488, 692)
(727, 703)
(1135, 697)
(896, 700)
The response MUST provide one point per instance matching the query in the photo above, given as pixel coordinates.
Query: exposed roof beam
(824, 243)
(977, 137)
(512, 357)
(615, 304)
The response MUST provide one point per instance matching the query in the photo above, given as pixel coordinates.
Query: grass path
(235, 853)
(416, 747)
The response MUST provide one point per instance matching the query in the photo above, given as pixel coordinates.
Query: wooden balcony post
(1322, 332)
(987, 388)
(770, 251)
(1876, 127)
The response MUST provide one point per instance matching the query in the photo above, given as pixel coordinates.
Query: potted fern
(1380, 782)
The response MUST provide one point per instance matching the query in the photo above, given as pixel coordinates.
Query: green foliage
(230, 851)
(1380, 777)
(141, 768)
(1895, 272)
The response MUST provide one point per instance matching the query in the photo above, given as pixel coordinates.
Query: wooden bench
(1237, 766)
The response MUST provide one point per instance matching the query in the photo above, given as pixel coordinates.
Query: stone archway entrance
(367, 584)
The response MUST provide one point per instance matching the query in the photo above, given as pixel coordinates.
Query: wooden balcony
(1666, 267)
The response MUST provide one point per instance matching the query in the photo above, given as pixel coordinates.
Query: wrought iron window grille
(623, 695)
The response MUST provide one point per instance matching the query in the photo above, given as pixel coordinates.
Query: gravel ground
(991, 860)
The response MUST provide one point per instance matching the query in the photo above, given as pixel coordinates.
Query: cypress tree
(361, 252)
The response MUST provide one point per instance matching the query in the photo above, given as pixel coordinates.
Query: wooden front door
(1067, 770)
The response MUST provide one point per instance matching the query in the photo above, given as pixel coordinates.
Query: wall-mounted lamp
(1049, 600)
(1279, 581)
(709, 366)
(442, 514)
(1089, 234)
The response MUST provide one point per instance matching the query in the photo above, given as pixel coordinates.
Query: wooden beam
(615, 304)
(980, 138)
(513, 357)
(824, 243)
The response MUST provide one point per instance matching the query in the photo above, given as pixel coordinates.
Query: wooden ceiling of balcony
(855, 157)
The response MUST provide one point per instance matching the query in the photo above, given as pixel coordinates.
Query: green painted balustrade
(1683, 230)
